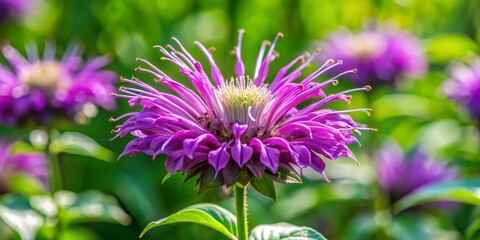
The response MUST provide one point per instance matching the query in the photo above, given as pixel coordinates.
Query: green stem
(55, 177)
(240, 192)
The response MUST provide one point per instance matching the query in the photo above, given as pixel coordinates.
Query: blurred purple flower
(34, 164)
(40, 88)
(382, 54)
(464, 87)
(238, 127)
(10, 9)
(399, 175)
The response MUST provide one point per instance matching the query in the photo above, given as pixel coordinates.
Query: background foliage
(352, 206)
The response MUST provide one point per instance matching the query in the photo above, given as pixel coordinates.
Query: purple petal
(174, 161)
(268, 156)
(219, 158)
(238, 130)
(239, 67)
(190, 145)
(295, 130)
(317, 163)
(241, 153)
(302, 156)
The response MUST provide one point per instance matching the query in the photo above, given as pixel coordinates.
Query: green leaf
(284, 175)
(458, 191)
(284, 231)
(265, 186)
(209, 215)
(78, 233)
(16, 212)
(207, 181)
(222, 215)
(393, 105)
(79, 144)
(167, 176)
(26, 184)
(473, 230)
(90, 206)
(446, 47)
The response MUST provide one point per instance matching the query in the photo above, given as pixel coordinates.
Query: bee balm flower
(226, 129)
(401, 175)
(10, 9)
(32, 163)
(40, 88)
(382, 54)
(464, 87)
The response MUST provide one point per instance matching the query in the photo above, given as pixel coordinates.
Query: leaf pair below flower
(223, 221)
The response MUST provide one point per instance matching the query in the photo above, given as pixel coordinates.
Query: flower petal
(268, 156)
(219, 158)
(241, 153)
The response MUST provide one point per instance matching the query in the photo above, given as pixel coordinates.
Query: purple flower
(464, 87)
(34, 164)
(14, 8)
(39, 89)
(231, 130)
(382, 54)
(399, 175)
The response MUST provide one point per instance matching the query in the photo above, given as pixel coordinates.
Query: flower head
(32, 163)
(229, 130)
(464, 87)
(382, 54)
(399, 175)
(42, 88)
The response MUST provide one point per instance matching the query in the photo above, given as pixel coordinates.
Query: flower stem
(240, 193)
(55, 177)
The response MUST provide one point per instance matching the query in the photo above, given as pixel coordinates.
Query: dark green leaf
(458, 191)
(284, 231)
(207, 180)
(285, 176)
(79, 144)
(473, 231)
(90, 206)
(264, 186)
(412, 227)
(208, 215)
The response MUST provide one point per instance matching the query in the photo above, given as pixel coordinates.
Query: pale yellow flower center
(241, 101)
(365, 45)
(48, 76)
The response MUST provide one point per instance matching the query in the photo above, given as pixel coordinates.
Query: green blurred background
(414, 113)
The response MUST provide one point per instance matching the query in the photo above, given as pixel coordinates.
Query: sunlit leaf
(446, 47)
(265, 186)
(77, 233)
(459, 191)
(167, 176)
(225, 217)
(79, 144)
(394, 105)
(209, 215)
(90, 206)
(16, 212)
(284, 231)
(26, 184)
